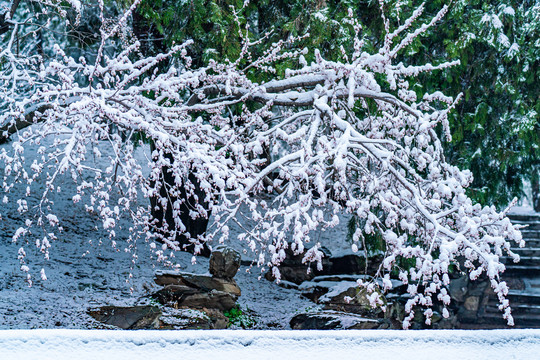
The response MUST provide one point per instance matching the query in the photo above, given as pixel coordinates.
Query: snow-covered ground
(259, 345)
(85, 271)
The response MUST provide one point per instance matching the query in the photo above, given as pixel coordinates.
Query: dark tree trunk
(194, 227)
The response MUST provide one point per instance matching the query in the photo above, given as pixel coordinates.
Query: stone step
(527, 251)
(528, 233)
(523, 297)
(521, 270)
(530, 261)
(525, 309)
(517, 309)
(531, 226)
(523, 259)
(525, 218)
(531, 243)
(520, 320)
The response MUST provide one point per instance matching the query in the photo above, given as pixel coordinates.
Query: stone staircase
(525, 310)
(529, 265)
(523, 278)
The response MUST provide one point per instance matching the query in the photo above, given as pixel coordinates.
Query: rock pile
(329, 320)
(473, 305)
(190, 301)
(224, 262)
(342, 305)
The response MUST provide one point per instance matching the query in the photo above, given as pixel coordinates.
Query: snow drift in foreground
(255, 345)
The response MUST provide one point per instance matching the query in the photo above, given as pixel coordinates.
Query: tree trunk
(152, 44)
(194, 227)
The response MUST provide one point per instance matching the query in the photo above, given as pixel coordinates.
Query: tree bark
(194, 227)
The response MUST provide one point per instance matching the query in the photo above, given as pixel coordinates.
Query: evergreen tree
(496, 128)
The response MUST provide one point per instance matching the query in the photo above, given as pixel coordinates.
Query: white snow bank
(255, 345)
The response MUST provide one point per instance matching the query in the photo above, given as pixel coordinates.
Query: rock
(340, 277)
(358, 303)
(478, 287)
(436, 317)
(203, 283)
(471, 303)
(219, 321)
(467, 316)
(450, 323)
(208, 312)
(136, 317)
(458, 288)
(395, 311)
(288, 285)
(321, 285)
(184, 319)
(185, 296)
(327, 320)
(224, 262)
(332, 292)
(354, 264)
(293, 274)
(419, 319)
(293, 270)
(312, 290)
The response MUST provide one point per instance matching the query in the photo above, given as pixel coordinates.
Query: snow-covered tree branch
(327, 138)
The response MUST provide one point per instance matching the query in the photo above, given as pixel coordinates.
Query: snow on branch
(328, 138)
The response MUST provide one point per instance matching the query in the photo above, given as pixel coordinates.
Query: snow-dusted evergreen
(345, 137)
